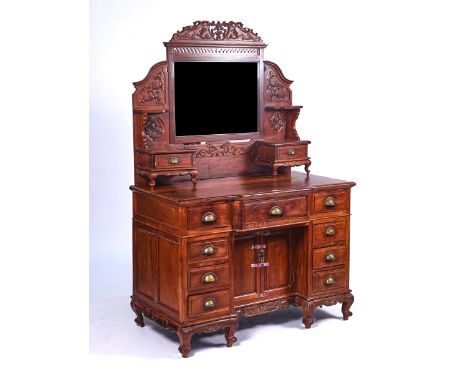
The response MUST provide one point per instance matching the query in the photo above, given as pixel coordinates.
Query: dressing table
(222, 228)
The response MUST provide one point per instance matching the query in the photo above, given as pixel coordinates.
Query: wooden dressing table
(242, 235)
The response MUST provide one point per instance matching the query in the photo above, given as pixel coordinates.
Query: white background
(384, 85)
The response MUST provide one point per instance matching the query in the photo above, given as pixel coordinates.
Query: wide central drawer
(274, 211)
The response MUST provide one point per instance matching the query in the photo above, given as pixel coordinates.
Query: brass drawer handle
(209, 278)
(208, 217)
(329, 202)
(174, 160)
(331, 256)
(276, 211)
(209, 250)
(330, 231)
(291, 152)
(210, 303)
(330, 280)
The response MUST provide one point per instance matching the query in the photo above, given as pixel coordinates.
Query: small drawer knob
(330, 280)
(209, 278)
(276, 211)
(292, 152)
(210, 303)
(330, 231)
(208, 217)
(330, 202)
(209, 250)
(331, 256)
(174, 160)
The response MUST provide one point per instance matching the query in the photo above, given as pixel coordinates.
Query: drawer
(270, 211)
(168, 161)
(330, 256)
(208, 277)
(208, 251)
(211, 303)
(329, 201)
(208, 216)
(330, 279)
(331, 232)
(292, 152)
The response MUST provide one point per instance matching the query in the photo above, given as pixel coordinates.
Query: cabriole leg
(185, 338)
(346, 305)
(139, 316)
(229, 333)
(308, 310)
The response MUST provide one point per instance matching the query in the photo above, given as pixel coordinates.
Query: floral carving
(154, 90)
(154, 128)
(217, 31)
(223, 149)
(266, 307)
(276, 91)
(277, 121)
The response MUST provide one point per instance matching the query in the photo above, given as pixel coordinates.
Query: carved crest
(277, 121)
(154, 90)
(217, 31)
(154, 128)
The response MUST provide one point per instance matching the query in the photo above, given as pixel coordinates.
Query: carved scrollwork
(277, 121)
(276, 91)
(267, 307)
(153, 128)
(154, 91)
(217, 31)
(223, 149)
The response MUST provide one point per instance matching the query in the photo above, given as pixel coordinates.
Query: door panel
(278, 255)
(245, 276)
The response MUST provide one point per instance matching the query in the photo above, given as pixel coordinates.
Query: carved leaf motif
(267, 307)
(276, 91)
(217, 31)
(277, 121)
(154, 90)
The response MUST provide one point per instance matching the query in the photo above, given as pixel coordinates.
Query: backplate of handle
(174, 160)
(276, 211)
(330, 202)
(210, 303)
(291, 152)
(209, 217)
(330, 280)
(209, 278)
(209, 250)
(330, 256)
(330, 231)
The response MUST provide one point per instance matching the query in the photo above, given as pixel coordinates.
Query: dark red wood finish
(241, 241)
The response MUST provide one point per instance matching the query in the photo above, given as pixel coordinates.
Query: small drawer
(292, 152)
(270, 211)
(330, 256)
(211, 303)
(208, 216)
(208, 251)
(209, 277)
(168, 161)
(331, 232)
(330, 201)
(330, 279)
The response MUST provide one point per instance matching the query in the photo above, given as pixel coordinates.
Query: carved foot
(229, 333)
(308, 309)
(306, 166)
(152, 181)
(346, 305)
(139, 316)
(185, 338)
(194, 175)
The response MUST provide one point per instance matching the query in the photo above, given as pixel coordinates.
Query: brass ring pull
(330, 280)
(331, 256)
(329, 202)
(291, 152)
(209, 303)
(174, 160)
(209, 250)
(276, 211)
(209, 278)
(208, 217)
(330, 231)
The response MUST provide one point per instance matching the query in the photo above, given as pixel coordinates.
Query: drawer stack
(208, 271)
(330, 255)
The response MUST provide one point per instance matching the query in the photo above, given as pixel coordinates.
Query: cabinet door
(246, 278)
(278, 276)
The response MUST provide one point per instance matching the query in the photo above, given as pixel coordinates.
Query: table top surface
(241, 187)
